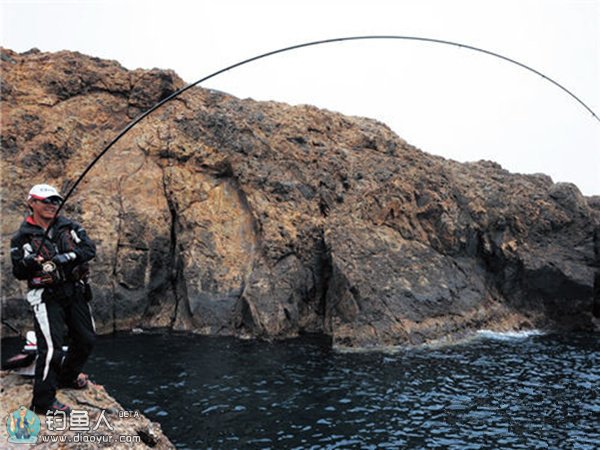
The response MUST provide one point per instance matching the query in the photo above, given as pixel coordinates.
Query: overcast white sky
(445, 100)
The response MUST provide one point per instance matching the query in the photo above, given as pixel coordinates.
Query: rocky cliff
(235, 217)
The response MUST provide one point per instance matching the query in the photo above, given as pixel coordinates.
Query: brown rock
(234, 217)
(130, 429)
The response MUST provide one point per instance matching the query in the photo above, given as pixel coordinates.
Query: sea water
(496, 391)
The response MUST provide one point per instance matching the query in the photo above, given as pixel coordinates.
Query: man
(57, 274)
(21, 427)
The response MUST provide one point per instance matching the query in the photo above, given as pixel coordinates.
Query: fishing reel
(49, 275)
(53, 272)
(48, 267)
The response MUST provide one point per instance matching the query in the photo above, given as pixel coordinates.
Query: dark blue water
(540, 391)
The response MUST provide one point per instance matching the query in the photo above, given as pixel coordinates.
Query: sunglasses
(51, 201)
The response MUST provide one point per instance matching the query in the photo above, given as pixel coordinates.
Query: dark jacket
(59, 240)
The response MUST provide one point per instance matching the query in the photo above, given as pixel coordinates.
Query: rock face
(236, 217)
(130, 429)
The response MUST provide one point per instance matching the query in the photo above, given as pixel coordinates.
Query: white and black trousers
(62, 316)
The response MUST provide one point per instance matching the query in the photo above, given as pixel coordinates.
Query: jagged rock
(236, 217)
(130, 429)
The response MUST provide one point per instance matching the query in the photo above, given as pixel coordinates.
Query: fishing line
(176, 94)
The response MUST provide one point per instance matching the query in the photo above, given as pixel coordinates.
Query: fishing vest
(52, 274)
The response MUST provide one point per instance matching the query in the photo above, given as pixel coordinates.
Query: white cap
(42, 192)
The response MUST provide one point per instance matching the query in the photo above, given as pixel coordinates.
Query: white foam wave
(508, 335)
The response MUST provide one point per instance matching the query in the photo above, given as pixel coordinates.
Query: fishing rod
(177, 93)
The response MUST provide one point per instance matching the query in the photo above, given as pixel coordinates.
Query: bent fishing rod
(177, 93)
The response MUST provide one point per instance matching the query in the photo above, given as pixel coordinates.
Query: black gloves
(63, 258)
(31, 263)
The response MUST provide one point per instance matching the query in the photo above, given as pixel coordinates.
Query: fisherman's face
(45, 209)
